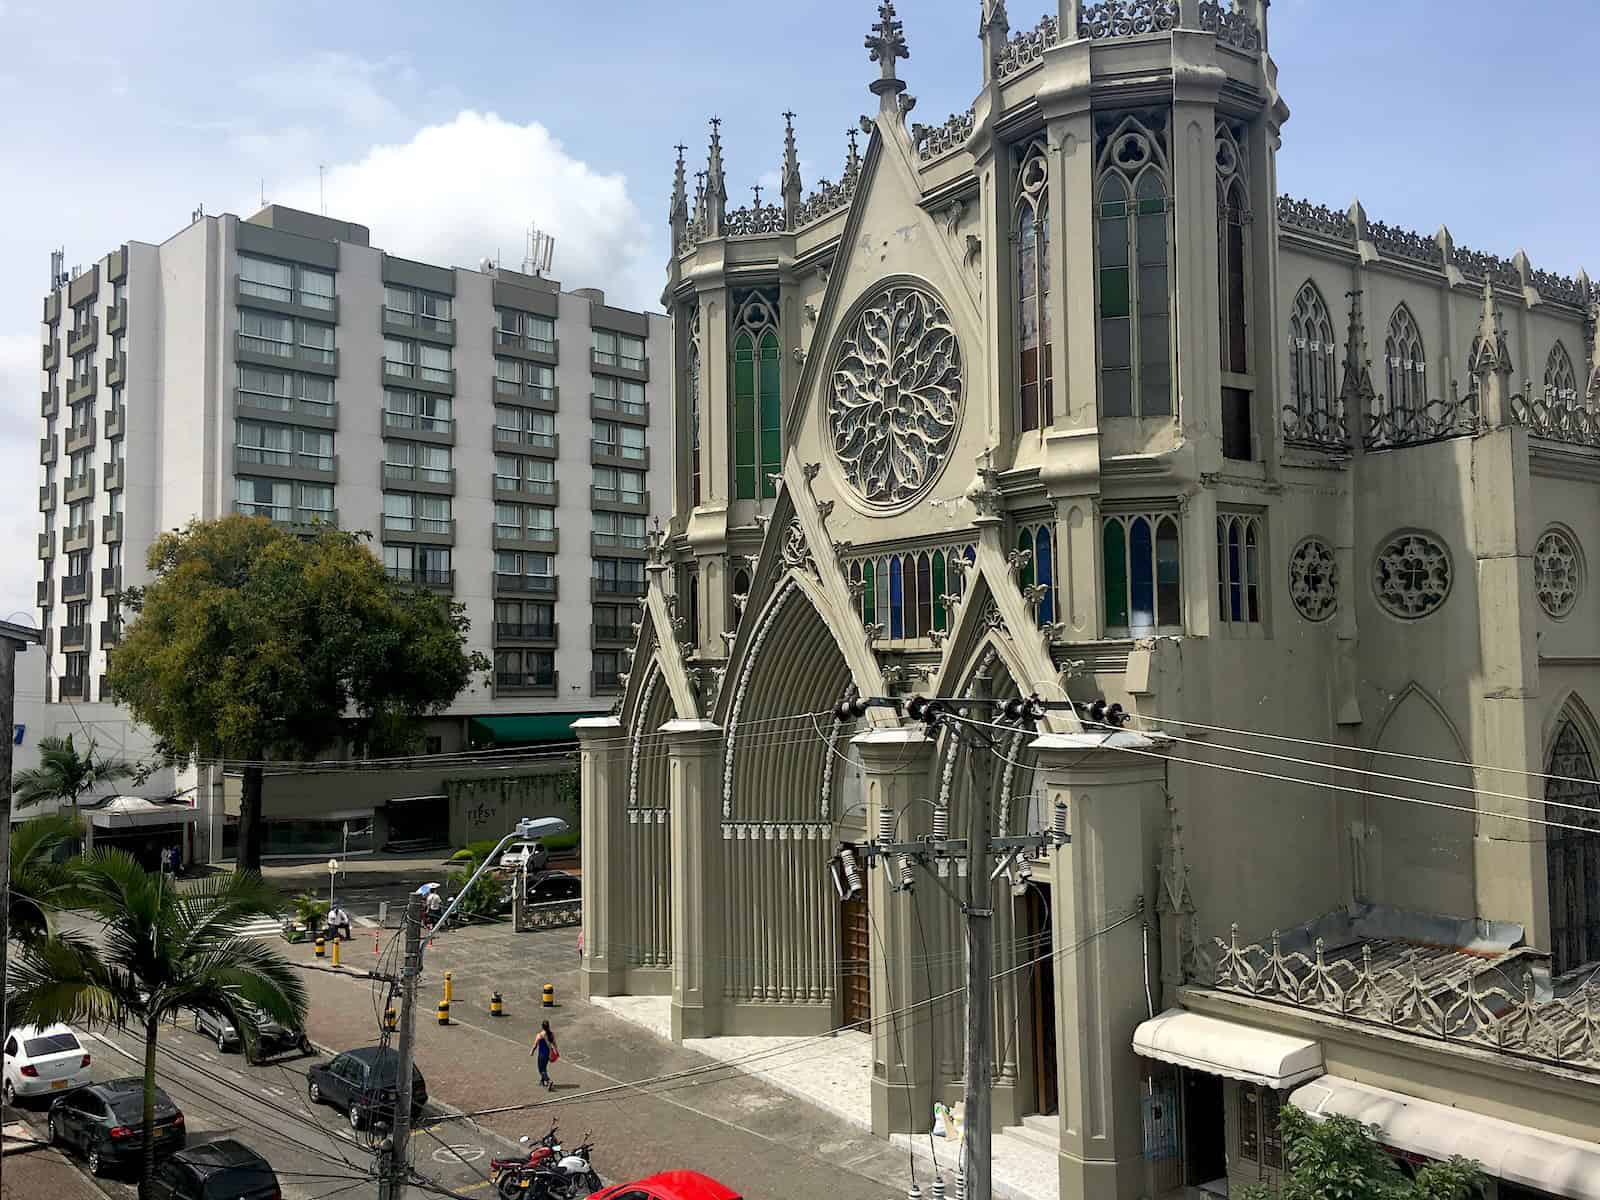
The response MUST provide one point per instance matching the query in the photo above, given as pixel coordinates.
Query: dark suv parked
(103, 1122)
(222, 1170)
(362, 1083)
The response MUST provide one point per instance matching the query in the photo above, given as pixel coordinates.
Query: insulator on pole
(914, 1193)
(886, 823)
(941, 823)
(1058, 826)
(852, 870)
(936, 1189)
(908, 878)
(961, 1185)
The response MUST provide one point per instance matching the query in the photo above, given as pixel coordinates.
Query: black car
(272, 1038)
(104, 1121)
(551, 886)
(362, 1082)
(221, 1170)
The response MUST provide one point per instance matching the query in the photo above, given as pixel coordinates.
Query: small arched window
(692, 385)
(757, 376)
(1132, 248)
(1572, 849)
(1407, 365)
(1239, 569)
(1560, 380)
(1142, 574)
(1311, 359)
(1034, 382)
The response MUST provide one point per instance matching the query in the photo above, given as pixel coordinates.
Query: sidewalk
(35, 1169)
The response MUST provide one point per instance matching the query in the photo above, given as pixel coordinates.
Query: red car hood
(676, 1185)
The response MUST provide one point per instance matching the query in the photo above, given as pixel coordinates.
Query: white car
(40, 1062)
(530, 855)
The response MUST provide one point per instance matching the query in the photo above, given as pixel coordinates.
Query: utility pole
(979, 909)
(393, 1184)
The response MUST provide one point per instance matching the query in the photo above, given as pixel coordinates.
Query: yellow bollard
(549, 995)
(336, 951)
(391, 1019)
(449, 992)
(444, 1012)
(320, 946)
(496, 1006)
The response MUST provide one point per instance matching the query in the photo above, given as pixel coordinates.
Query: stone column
(693, 749)
(896, 771)
(1108, 783)
(603, 784)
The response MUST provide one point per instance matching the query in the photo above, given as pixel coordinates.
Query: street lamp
(333, 869)
(527, 828)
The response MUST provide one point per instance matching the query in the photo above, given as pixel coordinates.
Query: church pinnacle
(790, 186)
(716, 188)
(887, 42)
(678, 212)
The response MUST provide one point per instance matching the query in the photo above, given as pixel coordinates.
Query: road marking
(473, 1187)
(464, 1152)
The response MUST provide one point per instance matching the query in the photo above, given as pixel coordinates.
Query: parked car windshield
(128, 1106)
(50, 1043)
(237, 1181)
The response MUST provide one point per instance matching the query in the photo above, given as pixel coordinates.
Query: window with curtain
(1141, 574)
(1133, 251)
(757, 405)
(1407, 365)
(265, 278)
(1036, 399)
(1239, 549)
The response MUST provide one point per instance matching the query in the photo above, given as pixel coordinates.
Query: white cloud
(332, 84)
(468, 189)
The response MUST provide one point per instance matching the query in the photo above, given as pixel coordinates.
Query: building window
(284, 391)
(526, 426)
(525, 668)
(1142, 575)
(1239, 569)
(620, 441)
(314, 502)
(1133, 235)
(1259, 1135)
(262, 498)
(266, 333)
(525, 330)
(1407, 366)
(418, 564)
(907, 593)
(607, 669)
(270, 445)
(619, 576)
(284, 282)
(1034, 381)
(1233, 296)
(316, 341)
(524, 619)
(1560, 380)
(692, 383)
(417, 410)
(513, 376)
(417, 309)
(618, 485)
(624, 396)
(618, 350)
(1310, 416)
(1572, 799)
(757, 378)
(1038, 542)
(619, 529)
(417, 360)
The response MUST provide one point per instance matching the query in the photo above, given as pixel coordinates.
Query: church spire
(791, 173)
(887, 42)
(1356, 394)
(716, 196)
(852, 160)
(993, 30)
(678, 213)
(1490, 364)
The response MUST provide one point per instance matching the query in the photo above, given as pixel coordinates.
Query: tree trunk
(147, 1136)
(249, 858)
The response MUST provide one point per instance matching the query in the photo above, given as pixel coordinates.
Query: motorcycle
(538, 1153)
(563, 1176)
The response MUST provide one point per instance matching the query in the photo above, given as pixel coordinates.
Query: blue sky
(1457, 112)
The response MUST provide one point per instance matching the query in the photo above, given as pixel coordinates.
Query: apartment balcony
(85, 285)
(547, 490)
(612, 589)
(526, 683)
(74, 637)
(74, 587)
(80, 437)
(110, 633)
(411, 478)
(113, 475)
(116, 370)
(438, 330)
(261, 405)
(47, 544)
(522, 441)
(110, 580)
(286, 464)
(505, 537)
(76, 537)
(609, 499)
(117, 264)
(433, 430)
(47, 449)
(619, 545)
(419, 530)
(83, 337)
(114, 421)
(532, 585)
(615, 454)
(45, 592)
(624, 365)
(47, 497)
(604, 683)
(49, 402)
(52, 308)
(610, 635)
(50, 354)
(609, 408)
(508, 344)
(418, 377)
(298, 521)
(284, 301)
(72, 687)
(284, 356)
(508, 632)
(111, 528)
(79, 487)
(531, 395)
(425, 577)
(117, 318)
(82, 387)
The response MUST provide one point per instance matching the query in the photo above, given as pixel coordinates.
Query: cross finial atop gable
(887, 42)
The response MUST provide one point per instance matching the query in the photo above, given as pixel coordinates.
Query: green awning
(527, 729)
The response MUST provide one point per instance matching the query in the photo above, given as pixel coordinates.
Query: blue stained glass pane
(1235, 574)
(897, 619)
(1141, 555)
(1045, 574)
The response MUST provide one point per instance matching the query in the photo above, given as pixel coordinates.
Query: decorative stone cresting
(895, 397)
(638, 732)
(755, 221)
(1027, 47)
(1314, 580)
(1411, 576)
(935, 141)
(1556, 572)
(1316, 219)
(1125, 18)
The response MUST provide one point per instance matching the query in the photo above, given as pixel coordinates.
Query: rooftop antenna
(58, 267)
(322, 195)
(539, 252)
(263, 191)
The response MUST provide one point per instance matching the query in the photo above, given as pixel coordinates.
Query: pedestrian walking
(544, 1049)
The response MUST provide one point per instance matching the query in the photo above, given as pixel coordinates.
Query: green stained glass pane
(1115, 555)
(939, 616)
(771, 415)
(1025, 542)
(744, 419)
(869, 596)
(1114, 292)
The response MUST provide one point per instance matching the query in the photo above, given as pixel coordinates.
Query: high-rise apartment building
(500, 438)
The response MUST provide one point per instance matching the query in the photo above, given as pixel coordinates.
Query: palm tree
(65, 775)
(40, 884)
(164, 947)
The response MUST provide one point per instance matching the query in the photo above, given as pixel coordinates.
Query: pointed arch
(1405, 359)
(1031, 233)
(757, 377)
(1560, 379)
(1572, 855)
(1133, 251)
(646, 840)
(1233, 253)
(1312, 353)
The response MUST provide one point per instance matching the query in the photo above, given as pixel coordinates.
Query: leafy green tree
(64, 775)
(484, 898)
(1338, 1158)
(164, 946)
(252, 644)
(39, 883)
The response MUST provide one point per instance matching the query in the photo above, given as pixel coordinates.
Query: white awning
(1547, 1162)
(135, 812)
(1218, 1047)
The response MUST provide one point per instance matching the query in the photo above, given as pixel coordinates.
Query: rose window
(1314, 580)
(1412, 575)
(1555, 572)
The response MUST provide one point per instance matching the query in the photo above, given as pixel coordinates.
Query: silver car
(273, 1038)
